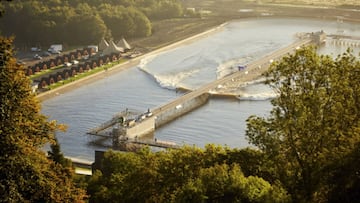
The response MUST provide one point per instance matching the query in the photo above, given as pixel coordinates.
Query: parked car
(20, 62)
(37, 56)
(45, 53)
(53, 51)
(55, 47)
(67, 64)
(35, 49)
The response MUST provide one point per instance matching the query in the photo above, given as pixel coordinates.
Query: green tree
(56, 155)
(224, 183)
(344, 183)
(143, 24)
(86, 26)
(40, 23)
(253, 162)
(164, 9)
(125, 22)
(27, 175)
(188, 174)
(37, 23)
(123, 178)
(2, 10)
(88, 29)
(314, 122)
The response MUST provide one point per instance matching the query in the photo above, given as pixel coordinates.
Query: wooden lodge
(86, 59)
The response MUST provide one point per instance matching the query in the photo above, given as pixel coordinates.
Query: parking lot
(29, 58)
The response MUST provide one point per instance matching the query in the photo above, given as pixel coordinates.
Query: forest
(82, 22)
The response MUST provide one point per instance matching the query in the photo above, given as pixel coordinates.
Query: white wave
(250, 91)
(257, 96)
(183, 87)
(147, 59)
(213, 92)
(255, 82)
(171, 81)
(243, 96)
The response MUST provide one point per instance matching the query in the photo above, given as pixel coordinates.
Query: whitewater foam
(229, 67)
(262, 96)
(171, 81)
(147, 59)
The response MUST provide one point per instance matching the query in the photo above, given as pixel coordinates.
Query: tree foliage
(314, 124)
(184, 175)
(77, 22)
(27, 175)
(2, 10)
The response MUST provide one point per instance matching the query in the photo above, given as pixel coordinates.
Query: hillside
(217, 12)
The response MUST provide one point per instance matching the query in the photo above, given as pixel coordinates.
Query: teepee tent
(123, 43)
(112, 48)
(103, 44)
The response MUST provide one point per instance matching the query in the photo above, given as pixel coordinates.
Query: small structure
(55, 48)
(103, 45)
(94, 48)
(124, 45)
(112, 48)
(241, 67)
(126, 125)
(34, 86)
(319, 37)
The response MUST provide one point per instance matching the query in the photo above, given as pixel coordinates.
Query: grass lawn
(85, 74)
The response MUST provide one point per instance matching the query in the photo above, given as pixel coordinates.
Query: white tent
(112, 48)
(123, 43)
(103, 45)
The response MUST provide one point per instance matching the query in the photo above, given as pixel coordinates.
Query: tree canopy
(314, 125)
(27, 175)
(185, 175)
(77, 22)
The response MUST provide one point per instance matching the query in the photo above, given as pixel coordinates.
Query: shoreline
(126, 65)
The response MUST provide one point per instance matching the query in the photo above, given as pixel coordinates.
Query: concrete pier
(344, 40)
(145, 126)
(114, 120)
(169, 112)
